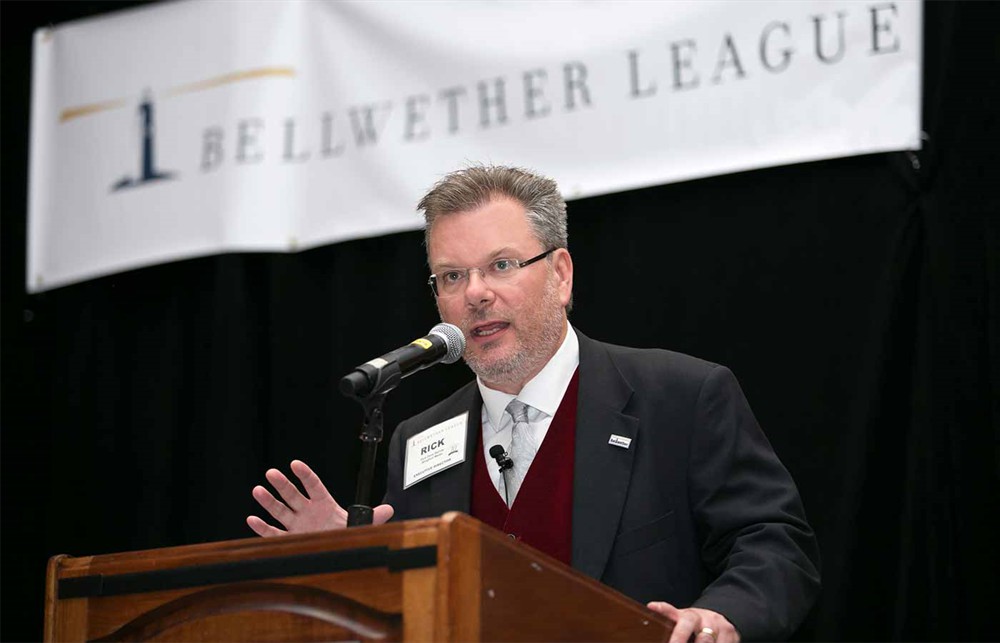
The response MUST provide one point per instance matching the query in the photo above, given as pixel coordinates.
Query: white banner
(192, 128)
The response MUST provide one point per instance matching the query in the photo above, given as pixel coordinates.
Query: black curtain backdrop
(856, 300)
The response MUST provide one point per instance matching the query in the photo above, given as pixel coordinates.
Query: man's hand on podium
(699, 625)
(300, 514)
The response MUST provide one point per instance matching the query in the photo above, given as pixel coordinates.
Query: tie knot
(518, 410)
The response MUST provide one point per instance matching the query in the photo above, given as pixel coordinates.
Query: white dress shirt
(543, 393)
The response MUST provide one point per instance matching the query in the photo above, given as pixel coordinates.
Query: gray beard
(516, 368)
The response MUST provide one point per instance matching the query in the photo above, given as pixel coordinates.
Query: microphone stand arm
(361, 513)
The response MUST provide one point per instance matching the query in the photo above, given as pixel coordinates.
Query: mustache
(481, 315)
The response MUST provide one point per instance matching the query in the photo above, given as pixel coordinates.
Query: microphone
(444, 343)
(498, 454)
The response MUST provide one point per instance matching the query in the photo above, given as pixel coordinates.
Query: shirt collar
(545, 390)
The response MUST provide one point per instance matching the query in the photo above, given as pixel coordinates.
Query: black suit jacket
(698, 511)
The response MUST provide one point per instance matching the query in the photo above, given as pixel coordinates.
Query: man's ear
(562, 263)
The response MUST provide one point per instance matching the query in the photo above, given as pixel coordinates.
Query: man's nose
(477, 290)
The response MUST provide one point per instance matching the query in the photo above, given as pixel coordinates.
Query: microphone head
(453, 338)
(496, 451)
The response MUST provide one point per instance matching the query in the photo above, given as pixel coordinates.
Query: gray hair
(477, 185)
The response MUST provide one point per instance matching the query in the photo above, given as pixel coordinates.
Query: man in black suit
(656, 478)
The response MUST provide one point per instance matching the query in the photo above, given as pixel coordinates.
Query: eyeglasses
(452, 282)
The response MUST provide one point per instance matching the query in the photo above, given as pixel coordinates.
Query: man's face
(513, 327)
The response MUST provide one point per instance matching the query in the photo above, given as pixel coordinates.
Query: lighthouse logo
(147, 150)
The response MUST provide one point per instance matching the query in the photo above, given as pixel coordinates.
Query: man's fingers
(674, 614)
(666, 609)
(271, 505)
(705, 626)
(688, 623)
(382, 514)
(261, 528)
(310, 481)
(288, 491)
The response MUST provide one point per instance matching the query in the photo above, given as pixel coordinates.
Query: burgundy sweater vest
(542, 515)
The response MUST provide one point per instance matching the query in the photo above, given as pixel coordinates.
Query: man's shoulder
(643, 363)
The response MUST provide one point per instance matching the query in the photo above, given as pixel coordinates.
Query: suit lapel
(601, 471)
(451, 490)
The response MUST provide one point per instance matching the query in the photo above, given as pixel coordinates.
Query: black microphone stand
(361, 513)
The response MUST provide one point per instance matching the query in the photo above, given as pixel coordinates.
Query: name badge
(435, 449)
(620, 441)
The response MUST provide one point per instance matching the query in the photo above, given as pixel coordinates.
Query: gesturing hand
(704, 626)
(300, 514)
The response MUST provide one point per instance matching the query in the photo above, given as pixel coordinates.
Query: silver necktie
(522, 448)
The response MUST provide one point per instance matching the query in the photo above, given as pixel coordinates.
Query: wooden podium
(444, 579)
